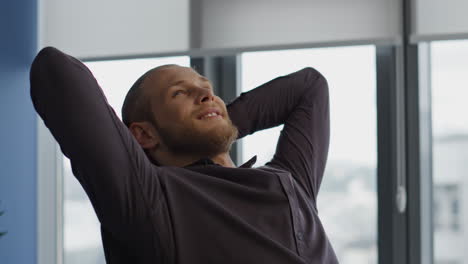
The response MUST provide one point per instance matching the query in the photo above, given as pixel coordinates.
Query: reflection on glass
(347, 201)
(450, 150)
(82, 237)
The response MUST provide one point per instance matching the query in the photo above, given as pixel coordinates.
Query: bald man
(162, 183)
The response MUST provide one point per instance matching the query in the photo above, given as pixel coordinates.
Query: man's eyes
(178, 92)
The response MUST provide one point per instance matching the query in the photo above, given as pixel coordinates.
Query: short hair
(137, 106)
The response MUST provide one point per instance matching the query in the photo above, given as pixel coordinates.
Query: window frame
(49, 197)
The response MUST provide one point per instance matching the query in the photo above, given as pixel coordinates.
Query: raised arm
(108, 162)
(300, 102)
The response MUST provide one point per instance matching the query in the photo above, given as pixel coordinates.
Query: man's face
(190, 119)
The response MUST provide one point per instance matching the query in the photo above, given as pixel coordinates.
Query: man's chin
(211, 121)
(211, 126)
(213, 140)
(201, 138)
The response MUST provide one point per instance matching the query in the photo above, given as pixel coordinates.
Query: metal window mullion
(419, 133)
(391, 169)
(419, 141)
(425, 133)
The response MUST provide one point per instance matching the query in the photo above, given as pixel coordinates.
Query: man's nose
(205, 95)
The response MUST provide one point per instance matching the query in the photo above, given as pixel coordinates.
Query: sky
(449, 87)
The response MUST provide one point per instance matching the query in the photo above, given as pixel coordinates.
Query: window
(347, 201)
(449, 62)
(82, 236)
(446, 207)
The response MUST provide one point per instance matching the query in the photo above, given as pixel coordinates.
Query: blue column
(18, 46)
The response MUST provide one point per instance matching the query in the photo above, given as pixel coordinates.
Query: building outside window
(446, 207)
(449, 62)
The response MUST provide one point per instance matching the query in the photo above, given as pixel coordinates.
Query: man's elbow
(316, 83)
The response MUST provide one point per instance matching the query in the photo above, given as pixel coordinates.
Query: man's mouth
(210, 113)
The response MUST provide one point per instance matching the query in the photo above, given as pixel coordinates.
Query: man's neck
(169, 159)
(224, 160)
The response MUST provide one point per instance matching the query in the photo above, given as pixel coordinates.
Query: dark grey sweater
(201, 213)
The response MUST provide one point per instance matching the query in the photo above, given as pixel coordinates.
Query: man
(176, 118)
(165, 189)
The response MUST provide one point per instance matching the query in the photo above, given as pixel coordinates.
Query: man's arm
(300, 102)
(106, 159)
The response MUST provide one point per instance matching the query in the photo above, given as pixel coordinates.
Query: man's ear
(145, 134)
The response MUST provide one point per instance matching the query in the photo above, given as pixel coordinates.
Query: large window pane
(450, 150)
(82, 238)
(347, 201)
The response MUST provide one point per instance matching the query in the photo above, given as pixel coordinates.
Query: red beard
(185, 138)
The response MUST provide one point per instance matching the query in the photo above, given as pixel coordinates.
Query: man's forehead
(161, 77)
(181, 73)
(171, 74)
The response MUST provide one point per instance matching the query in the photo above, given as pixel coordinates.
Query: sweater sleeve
(113, 169)
(300, 101)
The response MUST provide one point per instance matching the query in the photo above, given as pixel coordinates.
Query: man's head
(172, 109)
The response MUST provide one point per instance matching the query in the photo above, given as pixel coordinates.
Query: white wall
(106, 28)
(116, 28)
(435, 18)
(244, 23)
